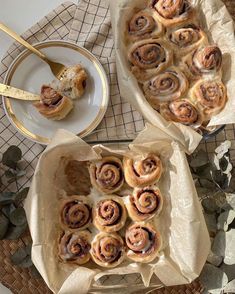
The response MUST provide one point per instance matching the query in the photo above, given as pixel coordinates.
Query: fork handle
(22, 41)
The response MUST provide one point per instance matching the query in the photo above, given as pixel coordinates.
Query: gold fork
(57, 69)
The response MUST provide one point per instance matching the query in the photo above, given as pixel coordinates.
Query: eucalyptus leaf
(219, 244)
(223, 163)
(213, 278)
(20, 197)
(18, 217)
(200, 159)
(19, 256)
(6, 198)
(205, 183)
(28, 249)
(220, 179)
(35, 272)
(230, 248)
(15, 232)
(229, 270)
(7, 209)
(209, 204)
(11, 156)
(214, 259)
(27, 262)
(9, 174)
(4, 222)
(211, 223)
(230, 287)
(225, 219)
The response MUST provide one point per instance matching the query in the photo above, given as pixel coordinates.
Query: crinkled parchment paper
(218, 24)
(181, 223)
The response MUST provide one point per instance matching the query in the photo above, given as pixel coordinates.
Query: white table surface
(19, 15)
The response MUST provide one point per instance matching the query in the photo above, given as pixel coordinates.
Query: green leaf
(209, 204)
(200, 159)
(229, 270)
(11, 156)
(20, 197)
(219, 244)
(214, 259)
(18, 217)
(15, 232)
(223, 162)
(18, 256)
(7, 210)
(4, 222)
(225, 219)
(6, 198)
(207, 184)
(9, 174)
(35, 272)
(211, 223)
(27, 262)
(220, 178)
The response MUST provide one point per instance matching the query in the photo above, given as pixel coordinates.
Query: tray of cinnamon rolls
(175, 61)
(115, 222)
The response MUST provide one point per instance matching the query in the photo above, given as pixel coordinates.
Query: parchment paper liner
(219, 26)
(181, 222)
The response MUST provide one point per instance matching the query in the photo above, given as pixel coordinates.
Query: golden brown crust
(166, 86)
(172, 12)
(75, 213)
(143, 242)
(109, 214)
(107, 174)
(210, 96)
(203, 62)
(53, 105)
(145, 203)
(107, 250)
(181, 111)
(74, 247)
(141, 172)
(143, 25)
(149, 57)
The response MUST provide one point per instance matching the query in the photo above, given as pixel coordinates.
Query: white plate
(29, 73)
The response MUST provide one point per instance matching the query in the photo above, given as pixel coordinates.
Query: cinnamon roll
(166, 86)
(203, 61)
(109, 214)
(148, 57)
(107, 250)
(145, 203)
(107, 174)
(53, 105)
(141, 172)
(75, 213)
(74, 247)
(186, 38)
(210, 96)
(172, 12)
(181, 111)
(143, 242)
(143, 25)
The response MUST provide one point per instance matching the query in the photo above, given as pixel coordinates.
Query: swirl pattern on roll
(210, 96)
(182, 111)
(107, 250)
(207, 60)
(143, 242)
(148, 57)
(74, 247)
(141, 172)
(143, 25)
(171, 12)
(166, 86)
(107, 174)
(75, 213)
(145, 203)
(109, 214)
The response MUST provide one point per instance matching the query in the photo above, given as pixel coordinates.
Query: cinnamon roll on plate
(186, 38)
(75, 213)
(149, 57)
(181, 111)
(107, 250)
(53, 105)
(74, 247)
(145, 203)
(143, 242)
(210, 96)
(169, 85)
(143, 25)
(172, 12)
(109, 214)
(107, 174)
(203, 61)
(141, 172)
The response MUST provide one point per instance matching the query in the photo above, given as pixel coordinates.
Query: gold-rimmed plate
(29, 73)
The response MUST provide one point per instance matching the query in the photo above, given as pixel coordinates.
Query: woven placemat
(22, 281)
